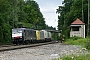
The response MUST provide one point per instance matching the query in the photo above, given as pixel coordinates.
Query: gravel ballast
(44, 52)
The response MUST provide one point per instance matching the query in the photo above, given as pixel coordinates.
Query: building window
(75, 28)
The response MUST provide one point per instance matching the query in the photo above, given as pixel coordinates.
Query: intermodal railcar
(26, 35)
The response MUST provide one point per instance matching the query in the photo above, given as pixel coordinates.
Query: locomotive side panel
(50, 36)
(37, 35)
(27, 34)
(45, 34)
(30, 34)
(34, 35)
(42, 35)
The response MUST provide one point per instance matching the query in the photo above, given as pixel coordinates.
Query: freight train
(26, 35)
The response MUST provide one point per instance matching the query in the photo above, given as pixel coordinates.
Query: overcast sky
(48, 9)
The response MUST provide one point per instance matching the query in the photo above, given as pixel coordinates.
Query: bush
(5, 34)
(75, 57)
(79, 41)
(76, 37)
(87, 45)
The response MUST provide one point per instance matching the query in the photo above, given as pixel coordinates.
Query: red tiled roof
(77, 21)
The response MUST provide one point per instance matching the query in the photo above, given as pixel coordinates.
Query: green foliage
(6, 34)
(34, 16)
(76, 57)
(70, 11)
(5, 17)
(67, 33)
(19, 13)
(87, 45)
(54, 36)
(76, 37)
(76, 41)
(85, 42)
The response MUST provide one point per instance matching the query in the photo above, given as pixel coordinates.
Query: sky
(48, 9)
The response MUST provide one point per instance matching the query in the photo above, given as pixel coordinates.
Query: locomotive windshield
(16, 31)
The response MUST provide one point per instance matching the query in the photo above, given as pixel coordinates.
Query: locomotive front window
(19, 31)
(14, 31)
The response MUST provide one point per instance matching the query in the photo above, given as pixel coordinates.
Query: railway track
(14, 47)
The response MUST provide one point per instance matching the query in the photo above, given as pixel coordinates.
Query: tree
(34, 15)
(19, 13)
(71, 10)
(5, 16)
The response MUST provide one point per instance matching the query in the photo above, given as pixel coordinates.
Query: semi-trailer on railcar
(26, 35)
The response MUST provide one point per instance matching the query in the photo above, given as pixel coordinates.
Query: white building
(77, 28)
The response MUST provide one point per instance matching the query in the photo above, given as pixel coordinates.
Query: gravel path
(45, 52)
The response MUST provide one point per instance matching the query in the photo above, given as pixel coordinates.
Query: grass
(75, 41)
(79, 41)
(75, 57)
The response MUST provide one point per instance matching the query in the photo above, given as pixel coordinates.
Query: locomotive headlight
(12, 37)
(20, 36)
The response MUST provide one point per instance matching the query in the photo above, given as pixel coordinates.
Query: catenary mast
(88, 18)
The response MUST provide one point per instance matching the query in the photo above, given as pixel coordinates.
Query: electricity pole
(13, 18)
(82, 12)
(88, 19)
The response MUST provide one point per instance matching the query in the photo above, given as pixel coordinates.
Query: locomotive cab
(17, 35)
